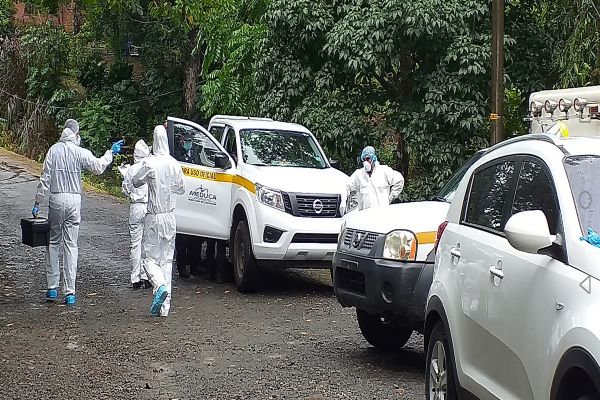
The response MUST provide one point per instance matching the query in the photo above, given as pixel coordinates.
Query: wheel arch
(576, 369)
(435, 313)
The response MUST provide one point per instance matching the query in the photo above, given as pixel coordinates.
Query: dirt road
(291, 341)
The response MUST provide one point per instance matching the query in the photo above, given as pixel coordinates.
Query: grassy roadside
(108, 183)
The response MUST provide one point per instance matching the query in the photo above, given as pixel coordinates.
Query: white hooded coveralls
(138, 208)
(61, 176)
(380, 189)
(163, 175)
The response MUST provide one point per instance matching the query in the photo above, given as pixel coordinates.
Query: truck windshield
(584, 179)
(268, 147)
(447, 192)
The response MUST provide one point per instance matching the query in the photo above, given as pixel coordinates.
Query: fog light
(271, 235)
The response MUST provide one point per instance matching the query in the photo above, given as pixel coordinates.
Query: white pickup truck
(265, 187)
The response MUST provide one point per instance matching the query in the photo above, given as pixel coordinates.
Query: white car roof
(240, 123)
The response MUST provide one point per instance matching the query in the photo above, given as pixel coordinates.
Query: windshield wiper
(439, 198)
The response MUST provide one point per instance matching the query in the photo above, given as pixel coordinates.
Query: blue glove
(116, 147)
(35, 210)
(592, 238)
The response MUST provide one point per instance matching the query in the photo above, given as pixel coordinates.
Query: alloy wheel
(438, 374)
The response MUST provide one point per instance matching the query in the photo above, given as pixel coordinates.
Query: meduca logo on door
(204, 196)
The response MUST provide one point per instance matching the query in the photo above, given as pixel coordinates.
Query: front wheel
(244, 264)
(382, 333)
(439, 376)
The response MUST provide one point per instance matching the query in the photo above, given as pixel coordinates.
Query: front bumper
(382, 287)
(303, 242)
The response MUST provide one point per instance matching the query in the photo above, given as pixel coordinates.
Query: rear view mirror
(335, 164)
(222, 161)
(528, 231)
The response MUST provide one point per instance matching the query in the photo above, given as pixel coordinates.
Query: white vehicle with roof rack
(264, 186)
(512, 312)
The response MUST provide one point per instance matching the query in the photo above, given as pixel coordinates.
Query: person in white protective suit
(137, 213)
(163, 175)
(61, 177)
(375, 184)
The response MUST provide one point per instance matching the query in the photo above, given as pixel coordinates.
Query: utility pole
(496, 116)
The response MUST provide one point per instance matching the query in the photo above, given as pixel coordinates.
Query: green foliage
(576, 60)
(7, 9)
(514, 125)
(47, 51)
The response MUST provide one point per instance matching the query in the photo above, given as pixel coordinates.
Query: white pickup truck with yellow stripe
(265, 187)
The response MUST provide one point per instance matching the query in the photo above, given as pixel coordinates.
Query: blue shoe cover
(159, 299)
(70, 300)
(52, 294)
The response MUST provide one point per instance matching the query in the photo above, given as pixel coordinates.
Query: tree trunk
(402, 157)
(191, 71)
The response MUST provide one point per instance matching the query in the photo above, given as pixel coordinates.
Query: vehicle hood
(298, 180)
(422, 216)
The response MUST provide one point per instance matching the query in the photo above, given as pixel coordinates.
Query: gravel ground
(291, 341)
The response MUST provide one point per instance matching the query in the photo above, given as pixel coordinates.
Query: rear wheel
(439, 377)
(382, 333)
(245, 269)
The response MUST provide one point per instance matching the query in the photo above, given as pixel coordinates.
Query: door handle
(455, 252)
(497, 273)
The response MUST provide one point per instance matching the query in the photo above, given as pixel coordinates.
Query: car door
(205, 208)
(522, 290)
(471, 245)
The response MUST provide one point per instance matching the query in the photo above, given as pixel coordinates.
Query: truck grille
(311, 206)
(325, 238)
(360, 240)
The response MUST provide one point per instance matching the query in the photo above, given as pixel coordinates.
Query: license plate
(353, 265)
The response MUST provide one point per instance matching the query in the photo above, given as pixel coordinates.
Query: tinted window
(447, 192)
(193, 146)
(217, 132)
(535, 192)
(231, 144)
(489, 195)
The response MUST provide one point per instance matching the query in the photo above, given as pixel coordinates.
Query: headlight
(270, 197)
(400, 245)
(351, 202)
(341, 235)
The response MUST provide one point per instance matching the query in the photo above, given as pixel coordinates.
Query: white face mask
(367, 166)
(78, 140)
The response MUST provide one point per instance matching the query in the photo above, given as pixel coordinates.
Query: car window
(217, 132)
(488, 196)
(231, 143)
(584, 180)
(280, 148)
(534, 191)
(193, 146)
(447, 192)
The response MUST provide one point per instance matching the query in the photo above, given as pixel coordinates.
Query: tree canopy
(410, 78)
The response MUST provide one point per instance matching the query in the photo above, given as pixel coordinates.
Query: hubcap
(240, 256)
(438, 374)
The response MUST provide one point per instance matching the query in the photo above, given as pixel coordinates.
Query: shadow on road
(294, 282)
(407, 360)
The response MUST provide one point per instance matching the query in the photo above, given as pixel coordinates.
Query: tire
(381, 333)
(245, 269)
(439, 375)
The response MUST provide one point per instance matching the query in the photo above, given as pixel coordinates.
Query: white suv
(265, 187)
(513, 311)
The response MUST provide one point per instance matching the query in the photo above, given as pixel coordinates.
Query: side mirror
(222, 161)
(528, 231)
(335, 164)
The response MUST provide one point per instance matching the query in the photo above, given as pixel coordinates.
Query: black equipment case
(35, 231)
